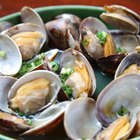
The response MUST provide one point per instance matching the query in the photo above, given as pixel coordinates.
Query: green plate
(48, 13)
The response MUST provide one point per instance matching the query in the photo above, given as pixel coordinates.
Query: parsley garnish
(122, 111)
(102, 37)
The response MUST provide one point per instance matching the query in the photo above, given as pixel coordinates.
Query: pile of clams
(49, 75)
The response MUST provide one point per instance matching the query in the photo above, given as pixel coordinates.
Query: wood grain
(8, 7)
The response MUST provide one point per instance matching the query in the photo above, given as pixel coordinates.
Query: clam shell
(55, 85)
(47, 119)
(123, 91)
(27, 27)
(68, 59)
(10, 63)
(132, 58)
(122, 18)
(29, 15)
(93, 24)
(125, 40)
(80, 120)
(6, 83)
(122, 10)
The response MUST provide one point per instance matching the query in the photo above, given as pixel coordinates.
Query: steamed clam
(98, 44)
(30, 38)
(77, 76)
(122, 18)
(34, 92)
(58, 32)
(41, 121)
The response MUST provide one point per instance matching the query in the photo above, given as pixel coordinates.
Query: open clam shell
(132, 58)
(72, 59)
(6, 83)
(29, 15)
(31, 49)
(80, 121)
(10, 56)
(126, 41)
(122, 92)
(29, 101)
(122, 18)
(48, 119)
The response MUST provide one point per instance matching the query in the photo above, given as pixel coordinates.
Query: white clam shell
(80, 120)
(6, 83)
(123, 91)
(54, 80)
(11, 63)
(48, 119)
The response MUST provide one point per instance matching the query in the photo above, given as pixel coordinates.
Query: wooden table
(8, 7)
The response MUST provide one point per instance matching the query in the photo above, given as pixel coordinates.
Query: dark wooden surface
(11, 6)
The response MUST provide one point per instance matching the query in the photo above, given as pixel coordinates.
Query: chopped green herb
(54, 66)
(122, 111)
(19, 112)
(68, 90)
(85, 42)
(2, 54)
(29, 122)
(102, 37)
(65, 73)
(30, 65)
(121, 50)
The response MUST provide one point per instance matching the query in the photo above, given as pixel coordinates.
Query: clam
(10, 56)
(58, 32)
(43, 120)
(98, 44)
(122, 18)
(29, 37)
(80, 121)
(34, 92)
(130, 64)
(120, 97)
(77, 75)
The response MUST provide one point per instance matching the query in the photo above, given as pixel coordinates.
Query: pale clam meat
(10, 56)
(29, 37)
(80, 121)
(77, 75)
(34, 91)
